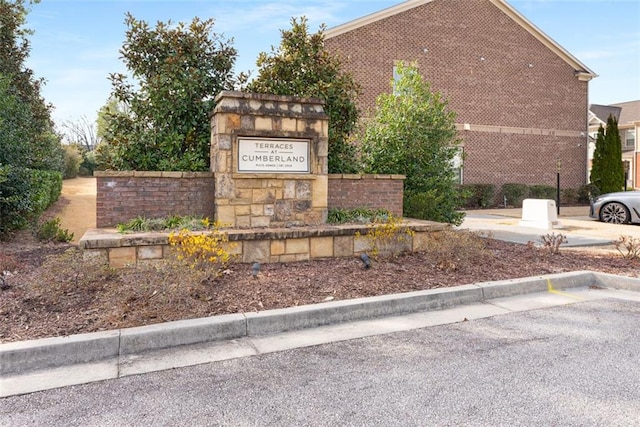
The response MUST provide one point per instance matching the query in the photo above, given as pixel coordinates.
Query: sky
(76, 42)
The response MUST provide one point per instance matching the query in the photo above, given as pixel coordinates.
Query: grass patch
(170, 223)
(358, 215)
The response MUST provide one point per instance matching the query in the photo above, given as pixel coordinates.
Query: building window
(630, 138)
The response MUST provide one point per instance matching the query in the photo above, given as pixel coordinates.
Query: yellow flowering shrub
(388, 238)
(203, 250)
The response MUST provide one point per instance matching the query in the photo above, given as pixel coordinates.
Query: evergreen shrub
(25, 194)
(569, 196)
(478, 195)
(515, 193)
(72, 160)
(542, 192)
(587, 191)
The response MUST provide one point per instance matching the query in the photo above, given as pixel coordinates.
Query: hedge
(478, 195)
(542, 192)
(515, 193)
(25, 194)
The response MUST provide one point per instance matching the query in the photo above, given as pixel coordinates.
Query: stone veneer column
(268, 199)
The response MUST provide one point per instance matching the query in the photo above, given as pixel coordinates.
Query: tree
(27, 135)
(301, 66)
(14, 50)
(164, 124)
(413, 133)
(81, 132)
(82, 140)
(111, 108)
(31, 156)
(607, 171)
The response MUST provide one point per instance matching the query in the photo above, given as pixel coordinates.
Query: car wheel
(615, 213)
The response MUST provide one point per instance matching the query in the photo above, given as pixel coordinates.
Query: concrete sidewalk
(43, 364)
(581, 231)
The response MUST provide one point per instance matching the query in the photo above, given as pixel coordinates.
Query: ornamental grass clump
(203, 250)
(173, 222)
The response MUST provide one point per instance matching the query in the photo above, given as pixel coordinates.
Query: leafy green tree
(14, 146)
(164, 123)
(413, 133)
(27, 137)
(599, 157)
(31, 156)
(607, 171)
(301, 66)
(72, 160)
(14, 51)
(111, 108)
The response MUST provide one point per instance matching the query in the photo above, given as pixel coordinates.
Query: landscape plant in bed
(203, 250)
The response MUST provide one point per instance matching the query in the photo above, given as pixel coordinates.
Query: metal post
(559, 165)
(558, 193)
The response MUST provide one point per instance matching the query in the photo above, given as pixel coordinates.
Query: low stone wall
(370, 191)
(266, 245)
(122, 196)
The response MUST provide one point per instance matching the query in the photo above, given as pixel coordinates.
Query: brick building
(520, 98)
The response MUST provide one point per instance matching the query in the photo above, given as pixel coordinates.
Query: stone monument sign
(269, 160)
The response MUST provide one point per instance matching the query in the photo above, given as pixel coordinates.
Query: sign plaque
(273, 155)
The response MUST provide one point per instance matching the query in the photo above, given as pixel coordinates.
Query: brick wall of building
(122, 196)
(368, 191)
(535, 162)
(523, 104)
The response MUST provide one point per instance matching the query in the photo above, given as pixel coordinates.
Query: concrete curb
(24, 356)
(309, 316)
(182, 332)
(112, 347)
(607, 280)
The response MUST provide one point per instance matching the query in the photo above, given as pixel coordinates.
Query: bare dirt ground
(79, 211)
(51, 291)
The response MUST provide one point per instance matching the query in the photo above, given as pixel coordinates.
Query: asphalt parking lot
(574, 364)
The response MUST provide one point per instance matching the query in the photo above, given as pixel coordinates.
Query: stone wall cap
(147, 174)
(169, 174)
(197, 174)
(366, 176)
(267, 97)
(151, 174)
(111, 238)
(112, 174)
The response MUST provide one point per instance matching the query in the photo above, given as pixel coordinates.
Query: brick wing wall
(366, 191)
(122, 196)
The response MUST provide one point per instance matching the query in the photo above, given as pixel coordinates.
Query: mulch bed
(52, 291)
